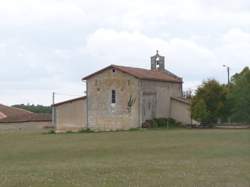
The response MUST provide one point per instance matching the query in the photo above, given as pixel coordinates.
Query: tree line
(34, 108)
(215, 102)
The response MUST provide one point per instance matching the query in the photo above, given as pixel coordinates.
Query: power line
(66, 94)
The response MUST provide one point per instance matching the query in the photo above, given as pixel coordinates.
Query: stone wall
(26, 126)
(180, 111)
(162, 91)
(102, 114)
(71, 116)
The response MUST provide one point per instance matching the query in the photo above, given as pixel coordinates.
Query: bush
(134, 129)
(161, 123)
(85, 130)
(51, 131)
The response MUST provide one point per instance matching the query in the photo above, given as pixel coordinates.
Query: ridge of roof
(70, 100)
(14, 115)
(7, 110)
(181, 99)
(141, 73)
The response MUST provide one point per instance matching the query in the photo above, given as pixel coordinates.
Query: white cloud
(235, 49)
(236, 36)
(184, 56)
(134, 48)
(48, 45)
(27, 12)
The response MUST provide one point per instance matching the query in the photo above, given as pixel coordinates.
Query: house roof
(32, 117)
(11, 111)
(69, 101)
(182, 100)
(2, 115)
(144, 74)
(13, 115)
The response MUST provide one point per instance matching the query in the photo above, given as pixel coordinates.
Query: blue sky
(48, 45)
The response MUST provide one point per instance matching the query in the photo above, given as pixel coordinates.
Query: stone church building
(120, 97)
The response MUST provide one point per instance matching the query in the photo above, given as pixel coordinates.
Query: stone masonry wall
(163, 92)
(180, 111)
(71, 116)
(102, 114)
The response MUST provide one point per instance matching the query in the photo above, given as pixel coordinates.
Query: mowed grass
(140, 158)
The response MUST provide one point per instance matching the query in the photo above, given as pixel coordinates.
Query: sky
(49, 45)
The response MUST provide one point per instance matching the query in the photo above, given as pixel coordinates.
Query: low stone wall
(233, 127)
(26, 126)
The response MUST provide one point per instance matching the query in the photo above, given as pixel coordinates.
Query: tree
(208, 104)
(34, 108)
(239, 96)
(199, 111)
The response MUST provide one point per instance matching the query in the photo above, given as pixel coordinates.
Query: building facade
(120, 97)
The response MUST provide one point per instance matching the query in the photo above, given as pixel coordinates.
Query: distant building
(120, 97)
(12, 118)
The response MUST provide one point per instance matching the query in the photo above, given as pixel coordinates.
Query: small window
(113, 70)
(113, 96)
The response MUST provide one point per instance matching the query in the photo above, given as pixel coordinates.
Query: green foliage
(209, 102)
(34, 108)
(213, 100)
(51, 131)
(162, 123)
(85, 131)
(134, 129)
(239, 96)
(199, 110)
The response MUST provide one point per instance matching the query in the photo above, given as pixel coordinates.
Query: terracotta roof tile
(32, 117)
(13, 115)
(144, 74)
(9, 111)
(69, 101)
(2, 115)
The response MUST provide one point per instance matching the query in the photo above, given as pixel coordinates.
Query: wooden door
(148, 106)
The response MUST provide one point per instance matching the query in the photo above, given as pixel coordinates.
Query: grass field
(197, 158)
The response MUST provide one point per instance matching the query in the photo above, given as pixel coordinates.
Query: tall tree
(239, 96)
(208, 104)
(199, 111)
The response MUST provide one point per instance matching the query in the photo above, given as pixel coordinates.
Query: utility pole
(228, 82)
(228, 73)
(53, 109)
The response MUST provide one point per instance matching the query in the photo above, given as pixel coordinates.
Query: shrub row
(161, 123)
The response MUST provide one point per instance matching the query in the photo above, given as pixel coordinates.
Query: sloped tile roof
(181, 99)
(69, 101)
(2, 115)
(13, 115)
(144, 74)
(33, 117)
(11, 111)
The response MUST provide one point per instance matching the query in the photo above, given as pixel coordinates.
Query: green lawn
(197, 158)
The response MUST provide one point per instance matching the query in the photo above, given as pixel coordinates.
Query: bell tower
(158, 62)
